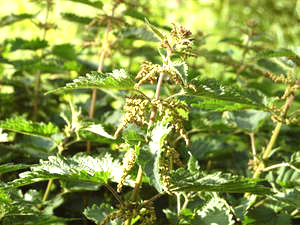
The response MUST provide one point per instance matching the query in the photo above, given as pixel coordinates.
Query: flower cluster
(128, 163)
(280, 79)
(149, 72)
(183, 41)
(137, 111)
(168, 157)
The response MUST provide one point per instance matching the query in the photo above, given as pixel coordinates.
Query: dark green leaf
(34, 44)
(65, 51)
(13, 18)
(20, 125)
(76, 18)
(9, 167)
(95, 4)
(213, 89)
(99, 213)
(184, 180)
(248, 120)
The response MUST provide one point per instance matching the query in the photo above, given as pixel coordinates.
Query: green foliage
(20, 125)
(184, 180)
(118, 79)
(199, 121)
(78, 168)
(14, 18)
(96, 4)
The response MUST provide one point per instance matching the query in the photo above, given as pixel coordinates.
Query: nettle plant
(155, 164)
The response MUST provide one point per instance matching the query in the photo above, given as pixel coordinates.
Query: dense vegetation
(150, 112)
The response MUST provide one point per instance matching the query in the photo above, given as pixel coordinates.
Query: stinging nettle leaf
(20, 125)
(96, 4)
(81, 168)
(13, 18)
(154, 30)
(99, 213)
(184, 180)
(150, 155)
(76, 18)
(137, 33)
(118, 79)
(34, 44)
(9, 167)
(213, 89)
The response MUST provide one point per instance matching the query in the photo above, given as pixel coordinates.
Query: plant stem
(136, 189)
(103, 52)
(37, 84)
(252, 139)
(115, 194)
(274, 136)
(48, 189)
(158, 87)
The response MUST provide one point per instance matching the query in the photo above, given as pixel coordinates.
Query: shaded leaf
(34, 44)
(95, 4)
(184, 180)
(13, 18)
(99, 213)
(65, 51)
(137, 33)
(76, 18)
(213, 89)
(9, 167)
(248, 120)
(20, 125)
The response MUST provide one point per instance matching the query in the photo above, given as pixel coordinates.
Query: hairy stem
(37, 84)
(102, 52)
(48, 189)
(115, 194)
(252, 139)
(136, 189)
(274, 136)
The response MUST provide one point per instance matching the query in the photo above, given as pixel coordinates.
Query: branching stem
(274, 136)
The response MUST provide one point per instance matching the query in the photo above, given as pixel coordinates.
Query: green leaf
(134, 14)
(262, 215)
(277, 53)
(20, 125)
(219, 105)
(184, 180)
(81, 168)
(137, 33)
(34, 44)
(213, 89)
(76, 18)
(215, 211)
(65, 51)
(118, 79)
(248, 120)
(99, 129)
(95, 4)
(150, 155)
(181, 69)
(9, 167)
(13, 18)
(154, 30)
(99, 213)
(288, 177)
